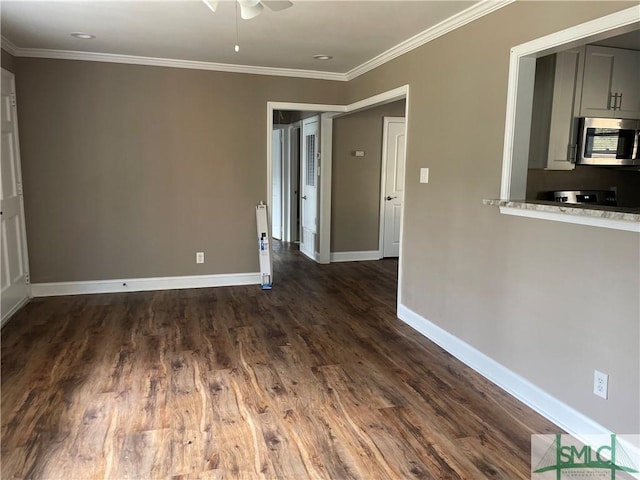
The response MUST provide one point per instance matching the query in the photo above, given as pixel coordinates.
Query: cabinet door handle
(617, 101)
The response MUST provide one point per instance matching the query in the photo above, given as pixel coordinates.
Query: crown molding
(458, 20)
(8, 46)
(175, 63)
(480, 9)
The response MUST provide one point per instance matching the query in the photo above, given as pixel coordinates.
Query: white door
(276, 190)
(309, 186)
(13, 244)
(393, 160)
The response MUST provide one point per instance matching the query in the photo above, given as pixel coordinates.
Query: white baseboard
(355, 256)
(561, 414)
(143, 284)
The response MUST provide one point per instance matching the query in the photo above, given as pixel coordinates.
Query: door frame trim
(293, 200)
(383, 178)
(328, 113)
(282, 129)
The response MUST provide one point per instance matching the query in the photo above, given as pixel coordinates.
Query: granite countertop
(593, 211)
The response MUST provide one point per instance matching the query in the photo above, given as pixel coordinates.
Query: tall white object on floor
(264, 246)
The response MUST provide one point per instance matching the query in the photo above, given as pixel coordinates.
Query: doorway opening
(367, 183)
(295, 172)
(325, 115)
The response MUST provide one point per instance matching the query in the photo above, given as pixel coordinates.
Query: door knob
(304, 197)
(390, 198)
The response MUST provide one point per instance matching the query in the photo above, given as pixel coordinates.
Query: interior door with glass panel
(13, 245)
(309, 186)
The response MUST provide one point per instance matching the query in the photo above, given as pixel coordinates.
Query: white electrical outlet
(199, 257)
(600, 384)
(424, 175)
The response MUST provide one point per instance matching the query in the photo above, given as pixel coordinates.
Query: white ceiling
(353, 32)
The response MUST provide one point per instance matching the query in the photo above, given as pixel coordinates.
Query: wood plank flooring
(314, 379)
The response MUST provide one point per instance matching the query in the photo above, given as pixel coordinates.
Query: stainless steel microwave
(608, 141)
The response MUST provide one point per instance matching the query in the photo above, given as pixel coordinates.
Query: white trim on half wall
(568, 217)
(143, 284)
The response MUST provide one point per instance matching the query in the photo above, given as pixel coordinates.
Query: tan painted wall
(355, 184)
(8, 61)
(130, 170)
(550, 301)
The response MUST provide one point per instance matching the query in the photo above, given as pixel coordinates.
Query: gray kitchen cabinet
(557, 92)
(567, 91)
(611, 83)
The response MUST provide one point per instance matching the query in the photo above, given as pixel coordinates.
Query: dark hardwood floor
(314, 379)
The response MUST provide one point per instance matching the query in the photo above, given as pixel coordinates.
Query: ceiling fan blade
(212, 4)
(277, 5)
(250, 8)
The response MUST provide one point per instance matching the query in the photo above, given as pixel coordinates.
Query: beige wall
(8, 61)
(355, 182)
(550, 301)
(129, 170)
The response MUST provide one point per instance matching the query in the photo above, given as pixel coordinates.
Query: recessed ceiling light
(83, 36)
(322, 57)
